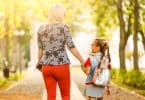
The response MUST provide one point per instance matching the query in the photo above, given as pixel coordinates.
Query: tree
(135, 35)
(141, 21)
(122, 34)
(143, 37)
(127, 14)
(14, 19)
(104, 16)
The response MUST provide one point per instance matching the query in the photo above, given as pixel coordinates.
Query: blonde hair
(56, 14)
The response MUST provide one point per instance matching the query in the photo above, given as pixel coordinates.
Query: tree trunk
(135, 35)
(6, 38)
(6, 32)
(143, 38)
(122, 35)
(129, 26)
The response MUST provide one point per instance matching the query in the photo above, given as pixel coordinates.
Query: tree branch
(128, 32)
(115, 2)
(121, 20)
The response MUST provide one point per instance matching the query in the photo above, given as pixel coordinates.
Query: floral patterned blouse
(53, 39)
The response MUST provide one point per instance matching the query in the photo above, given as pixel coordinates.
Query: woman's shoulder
(65, 25)
(48, 26)
(41, 29)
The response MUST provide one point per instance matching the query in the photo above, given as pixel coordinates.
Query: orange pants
(57, 74)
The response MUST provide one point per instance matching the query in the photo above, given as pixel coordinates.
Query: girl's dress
(91, 90)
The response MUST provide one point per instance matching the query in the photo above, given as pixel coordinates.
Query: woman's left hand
(39, 67)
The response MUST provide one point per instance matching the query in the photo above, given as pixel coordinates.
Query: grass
(4, 83)
(131, 80)
(130, 88)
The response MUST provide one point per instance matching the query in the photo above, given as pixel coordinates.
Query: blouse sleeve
(40, 30)
(88, 62)
(68, 38)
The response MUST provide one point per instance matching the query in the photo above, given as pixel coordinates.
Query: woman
(52, 41)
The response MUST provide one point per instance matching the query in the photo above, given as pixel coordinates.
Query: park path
(32, 88)
(29, 88)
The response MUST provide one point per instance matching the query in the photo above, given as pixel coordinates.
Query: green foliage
(129, 54)
(142, 15)
(104, 15)
(131, 78)
(3, 81)
(20, 15)
(113, 73)
(135, 79)
(6, 82)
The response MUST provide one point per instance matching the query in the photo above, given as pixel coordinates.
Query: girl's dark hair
(104, 48)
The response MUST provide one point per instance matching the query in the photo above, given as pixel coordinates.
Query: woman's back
(53, 38)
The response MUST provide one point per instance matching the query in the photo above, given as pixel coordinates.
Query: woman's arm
(40, 47)
(76, 53)
(40, 53)
(71, 45)
(39, 42)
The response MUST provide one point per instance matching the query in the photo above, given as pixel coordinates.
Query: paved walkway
(75, 93)
(29, 88)
(32, 88)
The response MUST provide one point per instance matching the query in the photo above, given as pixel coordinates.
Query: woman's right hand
(82, 62)
(85, 69)
(82, 67)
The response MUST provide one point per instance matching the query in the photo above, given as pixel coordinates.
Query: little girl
(100, 50)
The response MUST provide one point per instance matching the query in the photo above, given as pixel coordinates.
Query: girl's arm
(87, 66)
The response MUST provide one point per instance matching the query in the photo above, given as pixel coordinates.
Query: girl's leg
(92, 98)
(100, 98)
(87, 98)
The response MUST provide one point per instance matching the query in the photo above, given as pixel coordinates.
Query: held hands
(82, 65)
(85, 69)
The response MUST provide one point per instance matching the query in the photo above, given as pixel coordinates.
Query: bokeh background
(122, 22)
